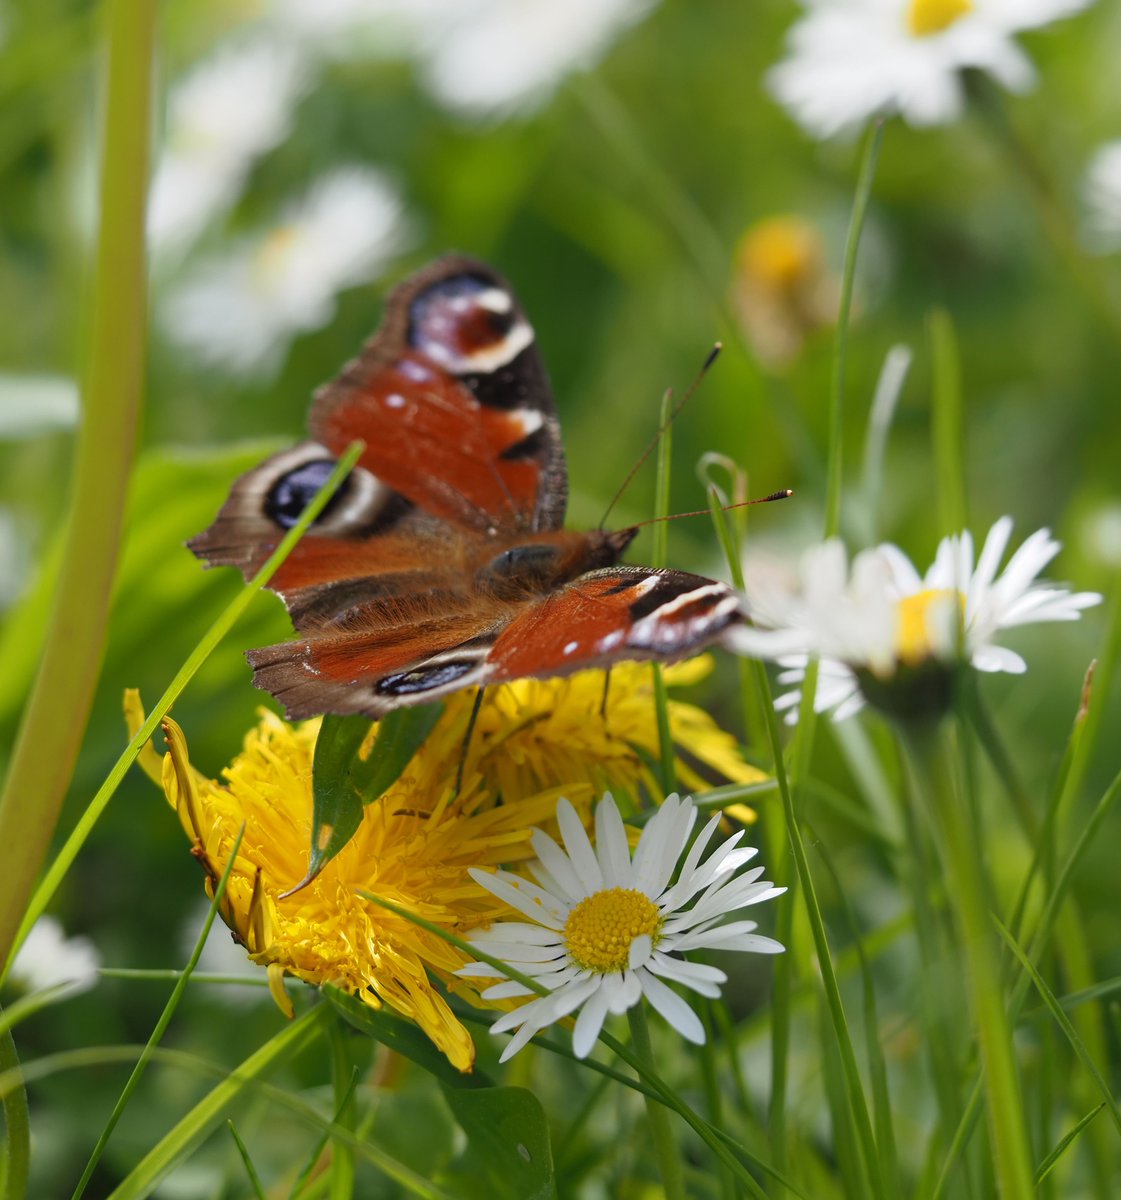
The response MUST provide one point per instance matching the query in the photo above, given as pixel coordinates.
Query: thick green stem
(661, 1130)
(55, 716)
(948, 811)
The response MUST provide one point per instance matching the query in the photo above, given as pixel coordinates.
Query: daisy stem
(1001, 761)
(343, 1078)
(855, 1090)
(868, 158)
(942, 788)
(661, 1129)
(55, 716)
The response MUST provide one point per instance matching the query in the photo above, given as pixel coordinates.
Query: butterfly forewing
(452, 401)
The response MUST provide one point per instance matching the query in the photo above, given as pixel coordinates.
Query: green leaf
(344, 780)
(508, 1150)
(404, 1037)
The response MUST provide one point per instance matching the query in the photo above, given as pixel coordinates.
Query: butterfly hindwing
(418, 651)
(451, 398)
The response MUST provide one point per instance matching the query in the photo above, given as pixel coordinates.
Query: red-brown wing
(369, 542)
(452, 401)
(612, 615)
(419, 649)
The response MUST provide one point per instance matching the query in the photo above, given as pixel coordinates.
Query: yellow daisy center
(919, 618)
(600, 929)
(925, 17)
(779, 252)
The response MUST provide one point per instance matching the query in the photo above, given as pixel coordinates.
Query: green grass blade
(171, 1149)
(160, 1028)
(1064, 1023)
(1048, 1164)
(56, 712)
(250, 1169)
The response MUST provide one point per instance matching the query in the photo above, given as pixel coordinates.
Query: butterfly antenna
(710, 358)
(781, 494)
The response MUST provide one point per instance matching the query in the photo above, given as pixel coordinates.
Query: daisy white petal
(1103, 197)
(48, 958)
(622, 991)
(612, 848)
(850, 60)
(690, 973)
(239, 310)
(675, 1010)
(621, 939)
(580, 852)
(660, 844)
(892, 636)
(995, 659)
(589, 1023)
(526, 897)
(225, 114)
(556, 863)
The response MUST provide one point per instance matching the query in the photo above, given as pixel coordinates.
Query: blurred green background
(615, 203)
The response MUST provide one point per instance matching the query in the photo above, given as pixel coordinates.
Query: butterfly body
(442, 561)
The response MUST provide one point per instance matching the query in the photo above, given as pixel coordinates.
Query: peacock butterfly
(441, 563)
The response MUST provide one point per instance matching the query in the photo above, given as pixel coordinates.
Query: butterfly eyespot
(291, 493)
(468, 325)
(424, 679)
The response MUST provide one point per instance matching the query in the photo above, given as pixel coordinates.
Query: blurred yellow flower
(783, 288)
(534, 742)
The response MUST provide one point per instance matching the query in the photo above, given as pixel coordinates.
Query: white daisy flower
(608, 929)
(882, 620)
(850, 60)
(225, 114)
(1103, 196)
(240, 310)
(480, 58)
(48, 958)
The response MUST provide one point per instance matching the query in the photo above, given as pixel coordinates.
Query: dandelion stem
(661, 1130)
(56, 712)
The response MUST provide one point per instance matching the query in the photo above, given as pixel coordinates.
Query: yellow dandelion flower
(416, 844)
(533, 732)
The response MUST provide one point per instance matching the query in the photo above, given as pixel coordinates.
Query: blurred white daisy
(605, 930)
(49, 958)
(239, 310)
(850, 60)
(1103, 196)
(230, 110)
(481, 58)
(888, 634)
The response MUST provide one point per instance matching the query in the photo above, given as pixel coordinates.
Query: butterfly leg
(467, 740)
(606, 689)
